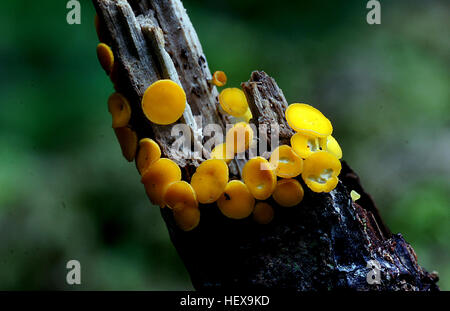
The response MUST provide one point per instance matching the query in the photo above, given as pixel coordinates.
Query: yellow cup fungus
(164, 102)
(321, 170)
(181, 194)
(219, 78)
(304, 145)
(209, 180)
(259, 178)
(330, 144)
(354, 195)
(248, 115)
(128, 142)
(105, 57)
(157, 177)
(221, 152)
(285, 162)
(239, 137)
(263, 213)
(149, 152)
(120, 110)
(308, 120)
(233, 101)
(288, 192)
(236, 202)
(186, 218)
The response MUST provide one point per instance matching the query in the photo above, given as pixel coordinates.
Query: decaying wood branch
(324, 243)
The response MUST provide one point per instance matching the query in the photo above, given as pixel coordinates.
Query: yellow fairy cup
(209, 180)
(181, 194)
(259, 178)
(288, 192)
(263, 213)
(120, 110)
(233, 101)
(355, 195)
(219, 78)
(285, 162)
(308, 120)
(239, 137)
(149, 152)
(186, 218)
(105, 57)
(128, 142)
(331, 145)
(221, 152)
(304, 145)
(236, 202)
(321, 171)
(164, 102)
(157, 177)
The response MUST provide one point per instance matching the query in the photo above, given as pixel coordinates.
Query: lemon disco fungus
(354, 195)
(105, 57)
(186, 218)
(181, 194)
(149, 152)
(248, 115)
(164, 102)
(236, 202)
(320, 171)
(120, 110)
(233, 101)
(263, 213)
(239, 137)
(331, 145)
(259, 178)
(157, 177)
(308, 120)
(128, 142)
(288, 192)
(209, 180)
(219, 78)
(285, 162)
(221, 152)
(304, 145)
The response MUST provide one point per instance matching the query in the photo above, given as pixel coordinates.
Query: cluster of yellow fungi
(313, 153)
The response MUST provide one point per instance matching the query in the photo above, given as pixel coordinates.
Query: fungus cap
(164, 102)
(186, 218)
(157, 177)
(181, 194)
(149, 152)
(320, 171)
(233, 101)
(105, 57)
(263, 213)
(308, 120)
(259, 178)
(331, 145)
(304, 145)
(221, 152)
(219, 78)
(209, 180)
(239, 137)
(236, 201)
(128, 142)
(288, 192)
(120, 110)
(354, 195)
(285, 162)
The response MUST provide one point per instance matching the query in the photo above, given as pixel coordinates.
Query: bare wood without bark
(324, 243)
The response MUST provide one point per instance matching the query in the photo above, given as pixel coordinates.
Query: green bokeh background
(67, 193)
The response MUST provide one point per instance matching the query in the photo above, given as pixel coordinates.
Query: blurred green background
(67, 193)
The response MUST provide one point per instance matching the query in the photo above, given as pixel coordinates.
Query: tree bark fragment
(324, 243)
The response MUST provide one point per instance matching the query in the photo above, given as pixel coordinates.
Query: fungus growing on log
(233, 101)
(221, 152)
(304, 145)
(331, 145)
(120, 110)
(236, 201)
(219, 78)
(181, 194)
(288, 192)
(128, 142)
(263, 213)
(186, 218)
(286, 162)
(164, 102)
(149, 152)
(209, 180)
(308, 120)
(259, 178)
(105, 57)
(321, 171)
